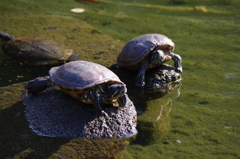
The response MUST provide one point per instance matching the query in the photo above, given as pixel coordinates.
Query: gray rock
(55, 114)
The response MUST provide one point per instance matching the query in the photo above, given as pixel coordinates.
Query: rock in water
(55, 114)
(162, 80)
(36, 51)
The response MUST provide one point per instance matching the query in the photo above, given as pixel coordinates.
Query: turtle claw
(140, 80)
(104, 113)
(179, 70)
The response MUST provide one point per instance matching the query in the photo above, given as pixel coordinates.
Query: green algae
(85, 40)
(205, 118)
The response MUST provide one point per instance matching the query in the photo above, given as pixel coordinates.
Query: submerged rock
(84, 148)
(55, 114)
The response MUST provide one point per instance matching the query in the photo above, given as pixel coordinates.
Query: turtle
(145, 52)
(85, 81)
(36, 51)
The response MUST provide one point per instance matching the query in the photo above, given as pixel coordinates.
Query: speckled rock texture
(55, 114)
(162, 79)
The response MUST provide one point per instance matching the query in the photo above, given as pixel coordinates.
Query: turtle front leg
(177, 62)
(140, 78)
(97, 104)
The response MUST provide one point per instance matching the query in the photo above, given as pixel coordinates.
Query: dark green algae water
(204, 119)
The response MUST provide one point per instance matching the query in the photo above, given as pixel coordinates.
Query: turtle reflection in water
(161, 80)
(145, 52)
(87, 1)
(36, 51)
(86, 81)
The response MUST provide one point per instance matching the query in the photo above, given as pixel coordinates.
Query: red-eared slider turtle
(86, 81)
(36, 51)
(148, 51)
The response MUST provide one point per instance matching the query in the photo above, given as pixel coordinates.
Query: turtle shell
(138, 48)
(74, 78)
(37, 51)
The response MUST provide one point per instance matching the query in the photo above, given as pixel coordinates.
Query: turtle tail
(5, 36)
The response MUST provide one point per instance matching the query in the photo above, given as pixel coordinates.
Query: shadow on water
(18, 139)
(12, 71)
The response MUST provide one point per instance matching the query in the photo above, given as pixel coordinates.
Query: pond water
(203, 122)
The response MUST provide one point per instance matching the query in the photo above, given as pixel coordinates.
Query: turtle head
(117, 90)
(157, 57)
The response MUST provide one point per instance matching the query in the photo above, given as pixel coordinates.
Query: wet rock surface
(162, 79)
(104, 148)
(55, 114)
